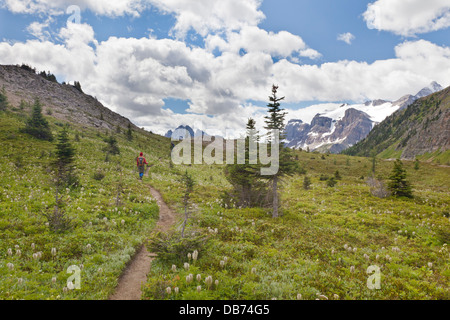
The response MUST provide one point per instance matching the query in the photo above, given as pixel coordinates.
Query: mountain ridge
(353, 126)
(420, 129)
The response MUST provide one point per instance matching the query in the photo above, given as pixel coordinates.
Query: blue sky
(193, 60)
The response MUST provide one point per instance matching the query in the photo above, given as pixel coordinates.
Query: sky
(211, 64)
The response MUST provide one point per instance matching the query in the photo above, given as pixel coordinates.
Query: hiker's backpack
(141, 162)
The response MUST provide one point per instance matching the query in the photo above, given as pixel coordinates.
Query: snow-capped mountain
(336, 127)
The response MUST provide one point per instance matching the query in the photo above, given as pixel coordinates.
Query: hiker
(141, 162)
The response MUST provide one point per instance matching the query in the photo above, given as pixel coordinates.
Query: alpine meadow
(318, 176)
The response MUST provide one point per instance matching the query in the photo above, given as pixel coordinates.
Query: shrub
(171, 248)
(378, 188)
(99, 175)
(306, 183)
(331, 182)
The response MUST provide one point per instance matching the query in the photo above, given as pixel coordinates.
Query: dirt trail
(129, 287)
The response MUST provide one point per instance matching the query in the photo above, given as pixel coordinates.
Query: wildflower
(199, 288)
(189, 255)
(10, 252)
(53, 251)
(354, 249)
(16, 246)
(345, 246)
(88, 246)
(209, 281)
(335, 297)
(186, 266)
(199, 277)
(322, 297)
(299, 296)
(122, 222)
(33, 246)
(20, 281)
(253, 270)
(105, 219)
(100, 270)
(177, 290)
(65, 289)
(168, 290)
(377, 257)
(10, 266)
(216, 282)
(195, 255)
(174, 268)
(366, 256)
(430, 265)
(39, 254)
(352, 269)
(54, 280)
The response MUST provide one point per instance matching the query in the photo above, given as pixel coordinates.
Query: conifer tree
(129, 133)
(37, 125)
(398, 185)
(3, 99)
(111, 148)
(248, 188)
(65, 158)
(275, 125)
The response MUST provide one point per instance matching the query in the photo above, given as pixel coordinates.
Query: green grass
(303, 252)
(104, 236)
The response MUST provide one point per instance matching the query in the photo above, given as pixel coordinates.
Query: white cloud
(253, 39)
(205, 16)
(346, 37)
(38, 30)
(57, 7)
(408, 17)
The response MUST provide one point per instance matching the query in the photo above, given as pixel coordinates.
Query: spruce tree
(398, 185)
(111, 148)
(37, 125)
(248, 189)
(64, 162)
(275, 126)
(3, 99)
(129, 133)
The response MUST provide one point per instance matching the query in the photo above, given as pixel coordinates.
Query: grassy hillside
(307, 250)
(112, 213)
(421, 130)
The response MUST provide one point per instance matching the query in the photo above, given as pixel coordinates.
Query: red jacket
(143, 162)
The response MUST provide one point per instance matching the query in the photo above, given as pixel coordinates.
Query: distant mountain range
(421, 128)
(183, 131)
(337, 127)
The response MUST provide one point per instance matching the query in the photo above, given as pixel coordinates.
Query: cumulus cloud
(408, 18)
(252, 39)
(205, 16)
(346, 37)
(58, 7)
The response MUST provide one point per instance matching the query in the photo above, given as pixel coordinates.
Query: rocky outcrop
(63, 101)
(327, 134)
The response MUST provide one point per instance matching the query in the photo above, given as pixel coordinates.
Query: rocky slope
(63, 101)
(339, 127)
(421, 128)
